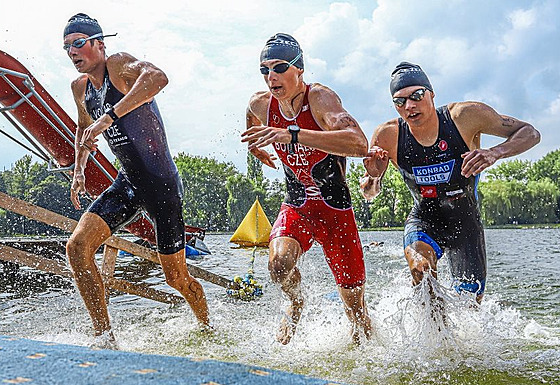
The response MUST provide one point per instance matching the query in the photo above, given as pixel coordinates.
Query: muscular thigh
(337, 233)
(117, 205)
(164, 204)
(292, 223)
(467, 256)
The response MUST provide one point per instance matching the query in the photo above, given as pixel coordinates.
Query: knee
(418, 268)
(75, 250)
(421, 259)
(279, 268)
(176, 280)
(284, 254)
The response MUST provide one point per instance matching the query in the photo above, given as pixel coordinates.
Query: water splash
(450, 341)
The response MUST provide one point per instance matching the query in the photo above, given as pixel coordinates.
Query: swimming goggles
(79, 43)
(280, 68)
(416, 96)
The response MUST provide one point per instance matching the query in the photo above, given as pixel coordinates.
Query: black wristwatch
(294, 130)
(112, 114)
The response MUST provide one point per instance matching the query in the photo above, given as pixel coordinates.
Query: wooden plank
(143, 290)
(37, 213)
(10, 254)
(109, 260)
(59, 221)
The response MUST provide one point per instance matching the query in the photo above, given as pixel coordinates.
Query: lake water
(512, 338)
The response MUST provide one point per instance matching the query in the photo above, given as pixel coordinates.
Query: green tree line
(217, 195)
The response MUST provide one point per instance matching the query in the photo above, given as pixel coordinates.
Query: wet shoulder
(319, 92)
(123, 70)
(78, 87)
(258, 104)
(470, 117)
(119, 59)
(386, 136)
(387, 131)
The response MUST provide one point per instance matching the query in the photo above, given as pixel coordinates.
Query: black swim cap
(283, 47)
(82, 23)
(407, 74)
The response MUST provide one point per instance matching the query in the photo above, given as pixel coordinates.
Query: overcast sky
(504, 53)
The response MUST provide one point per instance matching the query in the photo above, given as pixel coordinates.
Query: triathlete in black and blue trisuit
(445, 214)
(148, 179)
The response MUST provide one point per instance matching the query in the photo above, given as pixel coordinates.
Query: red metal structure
(29, 107)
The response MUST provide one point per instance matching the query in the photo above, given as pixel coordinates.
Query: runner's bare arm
(81, 152)
(256, 114)
(139, 81)
(474, 119)
(343, 135)
(383, 149)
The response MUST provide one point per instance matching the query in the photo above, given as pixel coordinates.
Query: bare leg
(178, 277)
(421, 257)
(284, 254)
(356, 311)
(88, 235)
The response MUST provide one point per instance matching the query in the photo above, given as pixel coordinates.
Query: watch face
(293, 128)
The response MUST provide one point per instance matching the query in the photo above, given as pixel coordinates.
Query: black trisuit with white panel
(445, 214)
(148, 179)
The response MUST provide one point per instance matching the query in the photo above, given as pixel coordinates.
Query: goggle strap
(295, 59)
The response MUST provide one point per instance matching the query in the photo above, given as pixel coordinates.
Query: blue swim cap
(407, 74)
(82, 23)
(283, 47)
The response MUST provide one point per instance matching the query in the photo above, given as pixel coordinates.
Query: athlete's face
(418, 104)
(88, 55)
(282, 85)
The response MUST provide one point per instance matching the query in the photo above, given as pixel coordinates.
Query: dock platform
(24, 361)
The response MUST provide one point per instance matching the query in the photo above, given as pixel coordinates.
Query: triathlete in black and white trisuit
(439, 155)
(445, 214)
(148, 179)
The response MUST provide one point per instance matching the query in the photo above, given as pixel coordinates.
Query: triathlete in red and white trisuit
(312, 134)
(317, 205)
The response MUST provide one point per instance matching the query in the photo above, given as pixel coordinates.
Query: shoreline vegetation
(543, 226)
(514, 194)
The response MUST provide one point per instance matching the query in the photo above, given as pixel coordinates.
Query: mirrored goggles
(415, 96)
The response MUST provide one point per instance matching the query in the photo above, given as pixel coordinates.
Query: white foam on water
(411, 337)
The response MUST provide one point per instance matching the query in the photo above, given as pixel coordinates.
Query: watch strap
(112, 114)
(294, 133)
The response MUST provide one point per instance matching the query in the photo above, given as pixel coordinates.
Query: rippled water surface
(512, 338)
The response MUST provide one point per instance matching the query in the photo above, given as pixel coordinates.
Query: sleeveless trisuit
(148, 179)
(445, 214)
(317, 205)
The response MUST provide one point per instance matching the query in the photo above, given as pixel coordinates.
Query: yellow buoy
(254, 229)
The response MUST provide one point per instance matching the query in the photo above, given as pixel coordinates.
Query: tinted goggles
(79, 43)
(415, 96)
(280, 68)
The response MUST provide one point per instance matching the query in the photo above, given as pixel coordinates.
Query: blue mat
(24, 361)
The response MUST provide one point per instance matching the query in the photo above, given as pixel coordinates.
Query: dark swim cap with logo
(407, 74)
(82, 23)
(283, 47)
